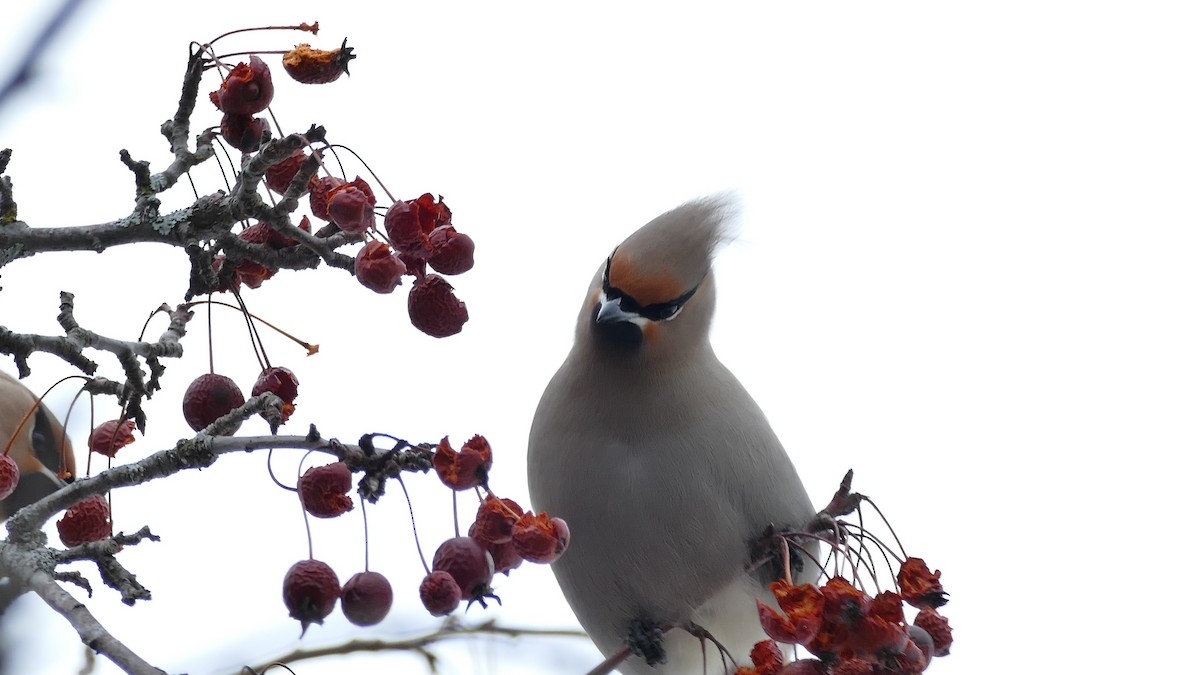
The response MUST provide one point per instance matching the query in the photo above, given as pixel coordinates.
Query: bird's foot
(701, 633)
(769, 548)
(646, 640)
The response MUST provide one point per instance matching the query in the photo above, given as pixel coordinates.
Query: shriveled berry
(505, 557)
(323, 490)
(404, 231)
(209, 397)
(280, 174)
(318, 66)
(310, 590)
(432, 212)
(919, 587)
(766, 657)
(243, 132)
(440, 593)
(253, 273)
(466, 468)
(469, 563)
(495, 519)
(804, 667)
(89, 520)
(262, 233)
(318, 194)
(433, 309)
(10, 475)
(453, 252)
(247, 89)
(938, 628)
(366, 598)
(540, 538)
(377, 268)
(110, 437)
(283, 383)
(350, 209)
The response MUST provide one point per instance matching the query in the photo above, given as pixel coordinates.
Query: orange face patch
(646, 289)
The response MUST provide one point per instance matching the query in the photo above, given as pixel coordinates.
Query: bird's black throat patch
(622, 336)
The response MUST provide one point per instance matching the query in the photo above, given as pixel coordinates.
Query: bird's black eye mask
(659, 311)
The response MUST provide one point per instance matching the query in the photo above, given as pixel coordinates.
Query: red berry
(540, 538)
(318, 194)
(243, 132)
(209, 397)
(10, 475)
(310, 590)
(110, 437)
(89, 520)
(440, 593)
(805, 667)
(453, 253)
(247, 89)
(918, 586)
(404, 231)
(431, 212)
(317, 66)
(853, 666)
(505, 556)
(495, 519)
(350, 209)
(465, 469)
(469, 563)
(283, 383)
(252, 273)
(938, 628)
(323, 490)
(280, 174)
(433, 309)
(366, 598)
(377, 268)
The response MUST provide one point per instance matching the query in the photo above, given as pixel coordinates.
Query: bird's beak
(610, 312)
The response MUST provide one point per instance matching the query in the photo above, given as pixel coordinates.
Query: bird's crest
(673, 252)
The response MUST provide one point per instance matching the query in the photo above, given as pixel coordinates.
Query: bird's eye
(662, 312)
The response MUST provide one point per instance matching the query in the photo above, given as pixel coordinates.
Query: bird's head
(653, 297)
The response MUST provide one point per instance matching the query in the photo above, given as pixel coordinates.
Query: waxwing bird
(662, 464)
(41, 448)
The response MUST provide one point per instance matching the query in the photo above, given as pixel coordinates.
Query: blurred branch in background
(22, 74)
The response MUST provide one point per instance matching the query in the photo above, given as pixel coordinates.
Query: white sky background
(968, 270)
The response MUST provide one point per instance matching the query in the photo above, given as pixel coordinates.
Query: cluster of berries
(212, 396)
(502, 536)
(850, 632)
(417, 233)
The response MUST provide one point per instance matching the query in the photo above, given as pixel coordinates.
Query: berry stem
(365, 165)
(211, 365)
(787, 561)
(37, 404)
(904, 556)
(304, 511)
(157, 310)
(255, 340)
(271, 473)
(308, 28)
(310, 348)
(362, 506)
(413, 518)
(252, 53)
(454, 509)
